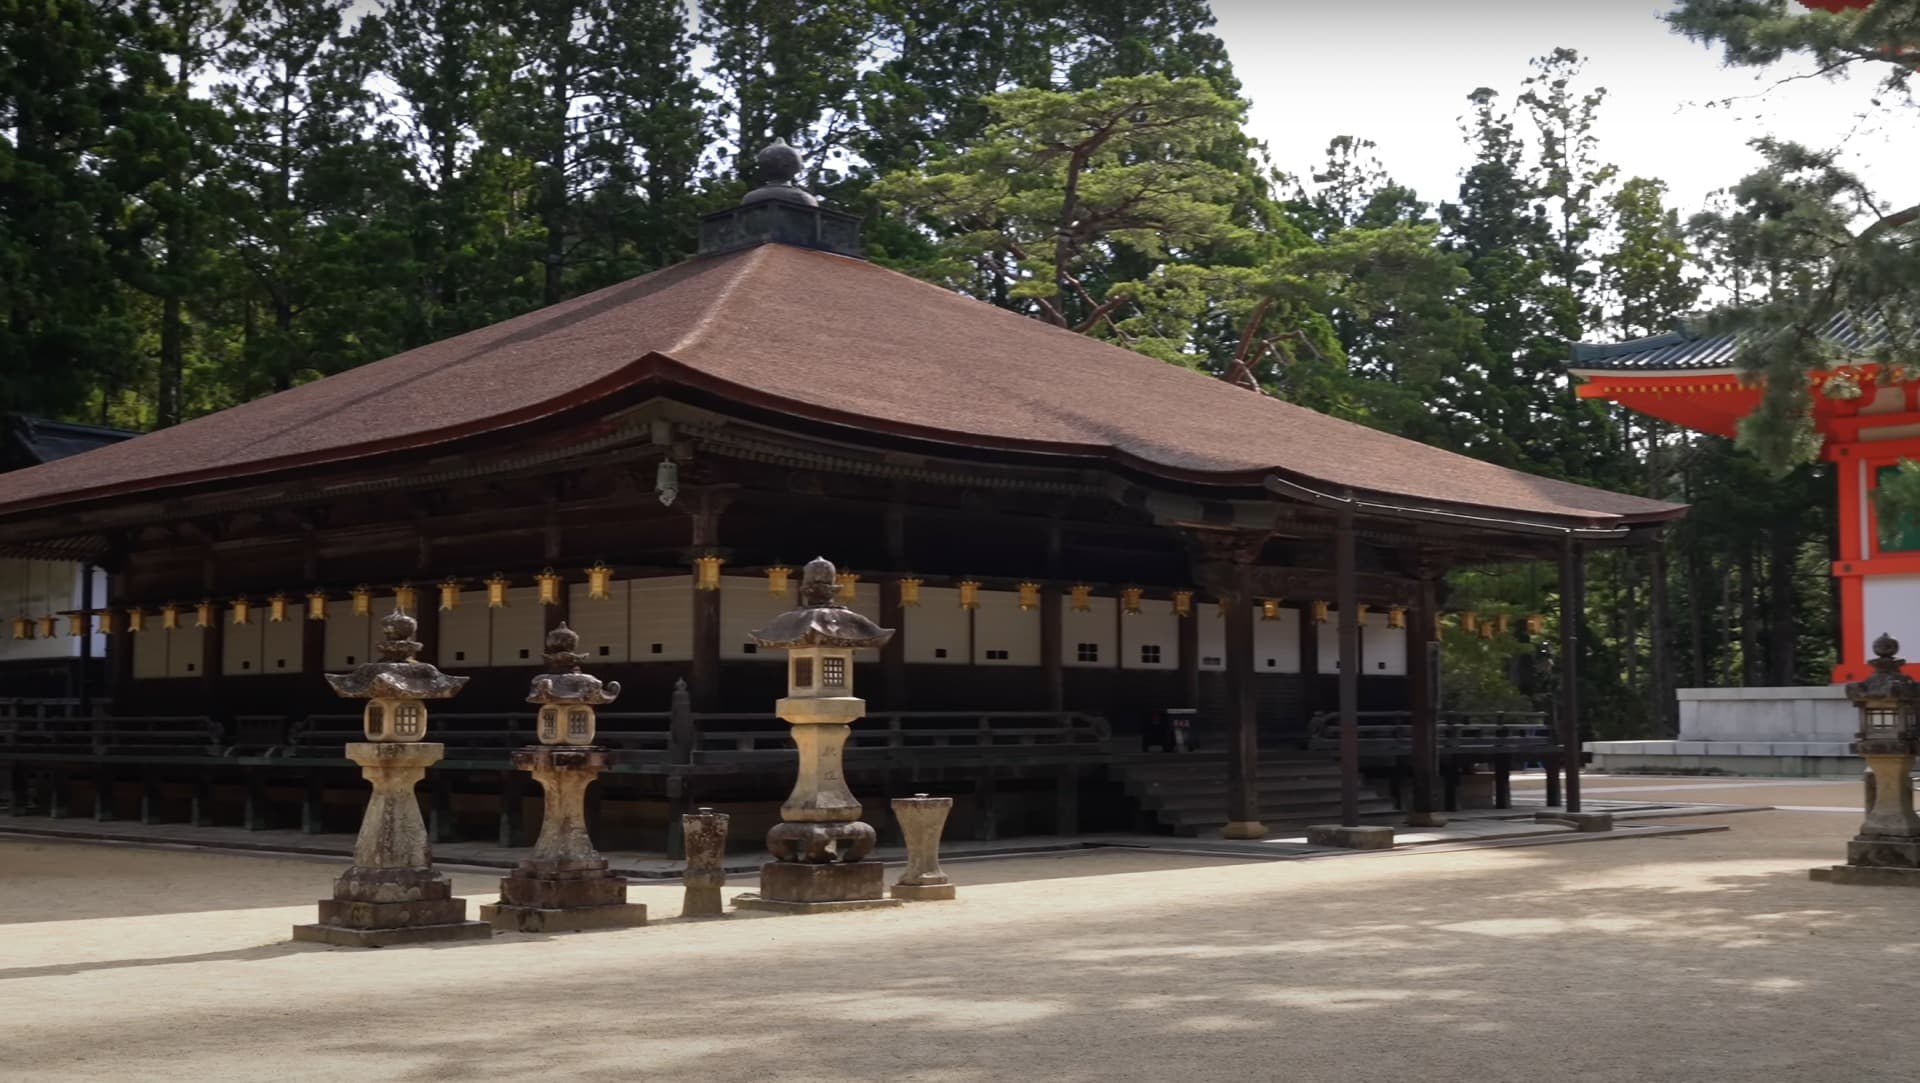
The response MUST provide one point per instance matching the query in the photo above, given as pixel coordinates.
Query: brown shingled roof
(828, 338)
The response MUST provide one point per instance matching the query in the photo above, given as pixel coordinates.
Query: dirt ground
(1687, 958)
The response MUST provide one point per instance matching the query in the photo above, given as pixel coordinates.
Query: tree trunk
(1749, 616)
(1697, 617)
(1781, 603)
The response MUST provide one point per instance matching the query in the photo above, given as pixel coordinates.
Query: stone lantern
(1887, 849)
(391, 894)
(820, 847)
(565, 885)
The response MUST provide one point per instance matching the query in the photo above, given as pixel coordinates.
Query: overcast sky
(1399, 71)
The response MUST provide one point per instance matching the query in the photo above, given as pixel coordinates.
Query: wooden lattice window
(833, 672)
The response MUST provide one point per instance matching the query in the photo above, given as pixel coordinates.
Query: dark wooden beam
(1243, 717)
(1573, 613)
(1347, 598)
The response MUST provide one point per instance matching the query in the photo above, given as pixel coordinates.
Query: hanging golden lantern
(449, 594)
(136, 620)
(76, 624)
(599, 581)
(847, 585)
(1130, 599)
(1029, 595)
(1082, 598)
(1269, 609)
(1360, 611)
(1500, 624)
(317, 605)
(706, 574)
(277, 609)
(1183, 603)
(22, 628)
(169, 617)
(1469, 621)
(909, 591)
(969, 594)
(1319, 612)
(404, 597)
(203, 614)
(242, 610)
(549, 581)
(1397, 617)
(778, 576)
(45, 626)
(497, 591)
(1536, 624)
(106, 623)
(362, 596)
(1486, 629)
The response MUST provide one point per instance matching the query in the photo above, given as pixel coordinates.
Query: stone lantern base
(565, 885)
(791, 887)
(391, 894)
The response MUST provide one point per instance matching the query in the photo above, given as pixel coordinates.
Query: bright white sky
(1398, 72)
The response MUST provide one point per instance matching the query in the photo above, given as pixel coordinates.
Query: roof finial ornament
(780, 167)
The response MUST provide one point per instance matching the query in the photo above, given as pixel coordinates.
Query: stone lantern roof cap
(821, 620)
(398, 674)
(566, 684)
(1888, 681)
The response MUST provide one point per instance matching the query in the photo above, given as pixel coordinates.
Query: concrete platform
(344, 937)
(781, 906)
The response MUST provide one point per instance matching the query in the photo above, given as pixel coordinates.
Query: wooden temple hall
(1077, 544)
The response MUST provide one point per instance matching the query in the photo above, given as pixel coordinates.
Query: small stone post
(820, 846)
(391, 894)
(706, 833)
(921, 820)
(1887, 848)
(564, 886)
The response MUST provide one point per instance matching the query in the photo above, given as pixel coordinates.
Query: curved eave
(657, 372)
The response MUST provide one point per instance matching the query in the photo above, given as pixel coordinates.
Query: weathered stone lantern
(1887, 849)
(820, 847)
(391, 894)
(565, 884)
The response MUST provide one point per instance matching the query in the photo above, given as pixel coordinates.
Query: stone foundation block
(922, 892)
(537, 919)
(1579, 821)
(563, 894)
(853, 881)
(702, 902)
(1426, 819)
(391, 884)
(777, 906)
(341, 936)
(355, 914)
(1859, 874)
(1351, 838)
(1244, 829)
(1875, 851)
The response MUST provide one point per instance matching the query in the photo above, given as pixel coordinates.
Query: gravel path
(1693, 958)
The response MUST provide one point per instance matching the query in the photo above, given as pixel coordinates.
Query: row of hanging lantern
(360, 599)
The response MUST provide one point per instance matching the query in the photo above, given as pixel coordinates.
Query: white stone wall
(1819, 714)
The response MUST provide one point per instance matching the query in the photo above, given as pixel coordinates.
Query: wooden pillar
(428, 618)
(705, 509)
(1309, 661)
(1243, 714)
(120, 646)
(83, 683)
(893, 656)
(1347, 591)
(313, 648)
(1190, 656)
(1423, 707)
(1573, 612)
(1052, 665)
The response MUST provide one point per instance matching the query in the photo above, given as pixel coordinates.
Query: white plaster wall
(603, 623)
(1767, 714)
(1276, 643)
(34, 588)
(661, 629)
(1329, 636)
(465, 634)
(1001, 625)
(1156, 625)
(746, 605)
(1383, 650)
(936, 629)
(280, 643)
(150, 651)
(1891, 604)
(242, 645)
(184, 647)
(519, 630)
(350, 637)
(1095, 626)
(1211, 639)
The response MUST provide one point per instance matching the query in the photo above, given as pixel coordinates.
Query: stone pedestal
(789, 887)
(1887, 849)
(705, 832)
(1351, 838)
(564, 886)
(1244, 829)
(391, 894)
(921, 820)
